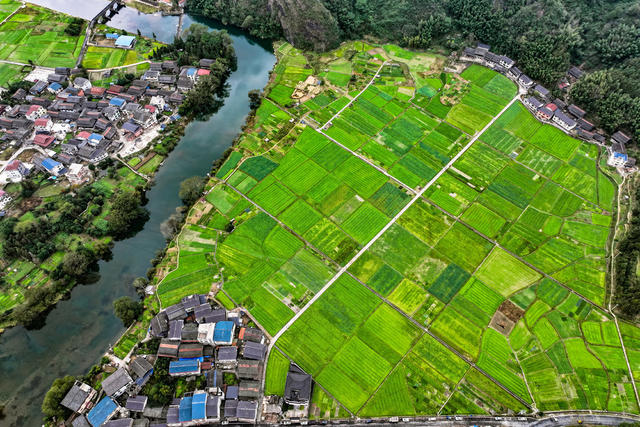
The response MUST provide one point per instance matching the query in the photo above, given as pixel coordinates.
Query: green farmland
(500, 262)
(38, 34)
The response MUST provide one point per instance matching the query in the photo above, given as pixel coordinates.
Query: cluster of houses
(72, 123)
(199, 340)
(569, 118)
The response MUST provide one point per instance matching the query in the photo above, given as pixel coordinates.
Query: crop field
(501, 262)
(37, 34)
(7, 7)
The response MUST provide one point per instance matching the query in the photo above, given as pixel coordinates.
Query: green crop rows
(501, 262)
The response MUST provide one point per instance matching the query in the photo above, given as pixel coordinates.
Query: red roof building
(43, 140)
(115, 89)
(203, 72)
(97, 91)
(83, 135)
(151, 108)
(551, 106)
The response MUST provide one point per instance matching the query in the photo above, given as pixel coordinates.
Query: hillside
(545, 37)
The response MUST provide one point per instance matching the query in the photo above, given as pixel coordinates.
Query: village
(569, 118)
(221, 353)
(62, 126)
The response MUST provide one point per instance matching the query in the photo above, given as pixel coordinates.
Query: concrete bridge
(108, 12)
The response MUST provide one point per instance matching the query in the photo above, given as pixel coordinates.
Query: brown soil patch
(511, 311)
(502, 323)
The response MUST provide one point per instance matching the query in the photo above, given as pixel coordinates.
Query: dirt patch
(502, 323)
(511, 311)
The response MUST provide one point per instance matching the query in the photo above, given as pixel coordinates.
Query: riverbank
(79, 329)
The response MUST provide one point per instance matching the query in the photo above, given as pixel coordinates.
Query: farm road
(387, 226)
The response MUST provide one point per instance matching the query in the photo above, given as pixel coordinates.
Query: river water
(79, 330)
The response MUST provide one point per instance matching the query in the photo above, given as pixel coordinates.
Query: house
(19, 95)
(171, 66)
(251, 334)
(297, 388)
(35, 112)
(184, 368)
(585, 125)
(533, 103)
(118, 102)
(617, 159)
(481, 50)
(155, 66)
(253, 350)
(144, 118)
(15, 170)
(92, 155)
(82, 84)
(43, 124)
(175, 330)
(80, 421)
(506, 62)
(542, 91)
(525, 81)
(38, 87)
(150, 108)
(546, 112)
(131, 129)
(151, 76)
(56, 78)
(84, 135)
(246, 411)
(95, 138)
(564, 121)
(227, 357)
(136, 91)
(115, 90)
(137, 403)
(111, 113)
(492, 58)
(206, 63)
(159, 325)
(125, 42)
(249, 389)
(575, 72)
(176, 98)
(78, 174)
(97, 91)
(514, 72)
(190, 350)
(52, 166)
(43, 140)
(102, 124)
(102, 412)
(54, 88)
(467, 51)
(189, 333)
(249, 369)
(176, 311)
(168, 348)
(185, 84)
(63, 71)
(223, 334)
(86, 122)
(37, 100)
(620, 138)
(205, 333)
(576, 111)
(79, 397)
(117, 383)
(5, 198)
(166, 79)
(110, 133)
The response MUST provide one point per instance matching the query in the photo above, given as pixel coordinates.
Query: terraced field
(485, 296)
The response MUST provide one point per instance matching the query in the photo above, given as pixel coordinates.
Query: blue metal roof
(49, 163)
(184, 366)
(99, 414)
(112, 35)
(191, 72)
(118, 102)
(96, 136)
(55, 86)
(223, 331)
(199, 406)
(185, 409)
(620, 156)
(125, 41)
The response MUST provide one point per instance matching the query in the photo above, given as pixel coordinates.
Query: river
(79, 330)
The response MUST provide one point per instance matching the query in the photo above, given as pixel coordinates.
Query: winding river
(79, 330)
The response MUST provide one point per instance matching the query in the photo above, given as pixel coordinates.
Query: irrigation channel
(79, 330)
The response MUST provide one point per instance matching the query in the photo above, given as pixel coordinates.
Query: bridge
(102, 17)
(108, 12)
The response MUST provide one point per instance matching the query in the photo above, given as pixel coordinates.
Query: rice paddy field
(485, 296)
(37, 34)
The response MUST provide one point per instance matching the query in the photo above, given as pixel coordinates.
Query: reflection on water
(79, 330)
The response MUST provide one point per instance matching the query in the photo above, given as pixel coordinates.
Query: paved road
(389, 224)
(373, 79)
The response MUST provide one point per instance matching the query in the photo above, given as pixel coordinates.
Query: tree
(191, 190)
(127, 310)
(76, 263)
(255, 99)
(140, 284)
(127, 215)
(27, 188)
(51, 404)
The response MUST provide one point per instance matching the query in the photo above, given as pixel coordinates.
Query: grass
(505, 274)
